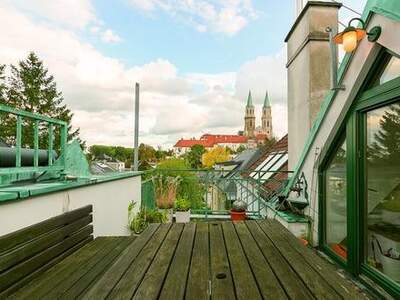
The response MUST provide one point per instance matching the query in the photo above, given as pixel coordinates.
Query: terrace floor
(224, 260)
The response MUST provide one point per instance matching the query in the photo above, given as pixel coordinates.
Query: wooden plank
(100, 265)
(243, 279)
(316, 283)
(60, 272)
(22, 283)
(320, 265)
(175, 283)
(221, 277)
(151, 284)
(27, 250)
(24, 235)
(19, 271)
(198, 281)
(292, 284)
(78, 267)
(133, 276)
(268, 284)
(104, 285)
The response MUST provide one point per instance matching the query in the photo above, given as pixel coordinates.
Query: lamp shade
(349, 38)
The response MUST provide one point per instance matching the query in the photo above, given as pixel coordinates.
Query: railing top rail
(30, 115)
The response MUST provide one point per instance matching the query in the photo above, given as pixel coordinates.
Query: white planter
(169, 213)
(182, 216)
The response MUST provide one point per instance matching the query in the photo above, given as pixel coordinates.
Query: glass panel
(391, 71)
(383, 190)
(336, 206)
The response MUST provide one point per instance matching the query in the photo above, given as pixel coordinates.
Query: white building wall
(110, 202)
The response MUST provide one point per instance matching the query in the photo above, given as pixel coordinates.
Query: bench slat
(24, 235)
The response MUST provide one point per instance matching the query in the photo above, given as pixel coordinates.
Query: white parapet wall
(110, 202)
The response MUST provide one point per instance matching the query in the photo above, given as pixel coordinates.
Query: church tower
(266, 118)
(249, 118)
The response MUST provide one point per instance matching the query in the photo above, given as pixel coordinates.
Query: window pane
(391, 71)
(336, 211)
(383, 190)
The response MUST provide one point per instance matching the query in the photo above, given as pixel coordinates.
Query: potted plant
(182, 211)
(165, 188)
(238, 211)
(137, 222)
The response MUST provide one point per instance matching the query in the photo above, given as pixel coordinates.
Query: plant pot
(182, 216)
(169, 212)
(238, 215)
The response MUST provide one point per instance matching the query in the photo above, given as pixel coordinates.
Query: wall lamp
(351, 35)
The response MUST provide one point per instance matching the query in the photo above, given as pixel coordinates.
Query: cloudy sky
(195, 60)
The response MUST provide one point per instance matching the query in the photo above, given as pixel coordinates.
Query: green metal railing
(37, 120)
(212, 192)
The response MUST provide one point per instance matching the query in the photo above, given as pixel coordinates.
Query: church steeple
(249, 100)
(266, 117)
(249, 118)
(266, 100)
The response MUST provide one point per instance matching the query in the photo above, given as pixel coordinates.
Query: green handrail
(36, 118)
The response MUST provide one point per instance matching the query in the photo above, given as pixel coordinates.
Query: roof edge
(304, 10)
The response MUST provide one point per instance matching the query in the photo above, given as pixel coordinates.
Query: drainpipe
(136, 136)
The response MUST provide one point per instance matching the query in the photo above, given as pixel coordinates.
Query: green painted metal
(387, 8)
(219, 186)
(11, 173)
(148, 200)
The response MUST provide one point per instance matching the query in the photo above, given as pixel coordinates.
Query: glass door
(382, 191)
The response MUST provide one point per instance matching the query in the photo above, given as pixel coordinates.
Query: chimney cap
(309, 4)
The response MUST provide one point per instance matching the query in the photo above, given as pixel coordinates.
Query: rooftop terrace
(221, 260)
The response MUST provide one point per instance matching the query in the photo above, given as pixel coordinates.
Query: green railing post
(50, 155)
(64, 138)
(36, 143)
(18, 142)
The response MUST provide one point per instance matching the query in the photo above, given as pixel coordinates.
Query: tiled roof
(209, 140)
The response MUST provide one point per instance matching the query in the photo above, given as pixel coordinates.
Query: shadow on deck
(224, 260)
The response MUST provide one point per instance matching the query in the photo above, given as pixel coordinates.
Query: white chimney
(308, 70)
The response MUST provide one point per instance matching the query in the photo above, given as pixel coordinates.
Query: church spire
(249, 100)
(266, 100)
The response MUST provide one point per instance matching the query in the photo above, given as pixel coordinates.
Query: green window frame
(353, 129)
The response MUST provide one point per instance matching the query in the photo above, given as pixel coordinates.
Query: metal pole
(136, 137)
(334, 59)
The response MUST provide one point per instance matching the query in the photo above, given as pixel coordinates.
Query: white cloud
(224, 16)
(99, 89)
(73, 13)
(108, 36)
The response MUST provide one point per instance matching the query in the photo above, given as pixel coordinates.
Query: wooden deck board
(198, 284)
(135, 273)
(175, 283)
(217, 260)
(244, 281)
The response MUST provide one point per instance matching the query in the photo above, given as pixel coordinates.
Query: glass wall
(335, 201)
(382, 174)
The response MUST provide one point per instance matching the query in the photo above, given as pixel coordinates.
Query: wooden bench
(26, 253)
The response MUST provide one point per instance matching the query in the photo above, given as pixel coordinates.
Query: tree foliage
(216, 155)
(386, 146)
(194, 156)
(30, 87)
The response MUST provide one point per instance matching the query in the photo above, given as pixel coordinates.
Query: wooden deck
(224, 260)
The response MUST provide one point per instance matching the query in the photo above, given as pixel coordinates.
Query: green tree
(194, 156)
(3, 86)
(240, 149)
(31, 88)
(386, 145)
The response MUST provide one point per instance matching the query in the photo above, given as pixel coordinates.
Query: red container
(238, 215)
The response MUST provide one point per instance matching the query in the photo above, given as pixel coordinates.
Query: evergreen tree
(31, 88)
(194, 156)
(386, 147)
